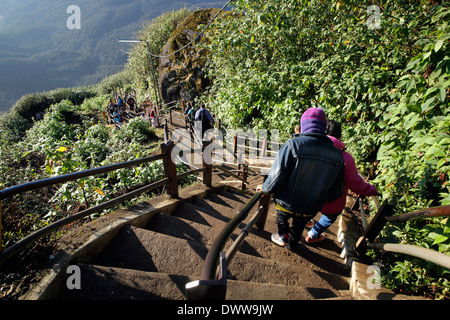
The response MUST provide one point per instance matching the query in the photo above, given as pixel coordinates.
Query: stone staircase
(152, 250)
(157, 260)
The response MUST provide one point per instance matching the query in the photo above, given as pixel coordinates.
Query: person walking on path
(307, 172)
(352, 180)
(204, 120)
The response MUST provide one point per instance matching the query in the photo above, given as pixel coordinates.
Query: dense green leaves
(387, 84)
(154, 34)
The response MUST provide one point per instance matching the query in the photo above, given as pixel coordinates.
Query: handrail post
(375, 226)
(210, 289)
(207, 163)
(264, 202)
(166, 131)
(264, 148)
(244, 177)
(170, 170)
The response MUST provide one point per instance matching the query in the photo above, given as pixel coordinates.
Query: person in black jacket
(203, 121)
(307, 172)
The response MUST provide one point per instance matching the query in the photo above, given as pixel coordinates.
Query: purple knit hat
(313, 120)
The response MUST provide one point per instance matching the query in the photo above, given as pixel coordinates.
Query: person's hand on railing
(259, 188)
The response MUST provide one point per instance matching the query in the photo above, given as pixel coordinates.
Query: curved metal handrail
(384, 215)
(16, 247)
(8, 192)
(74, 176)
(212, 259)
(19, 245)
(436, 257)
(442, 211)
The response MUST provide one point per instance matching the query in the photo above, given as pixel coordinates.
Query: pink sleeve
(354, 181)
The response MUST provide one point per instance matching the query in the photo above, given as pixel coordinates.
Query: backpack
(204, 121)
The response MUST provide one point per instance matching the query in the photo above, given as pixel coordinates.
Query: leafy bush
(137, 129)
(113, 83)
(388, 87)
(27, 109)
(72, 138)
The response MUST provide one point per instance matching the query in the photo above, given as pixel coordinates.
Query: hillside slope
(38, 52)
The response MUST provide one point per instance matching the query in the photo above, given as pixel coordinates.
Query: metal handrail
(19, 245)
(384, 215)
(442, 211)
(436, 257)
(8, 192)
(16, 247)
(74, 176)
(212, 259)
(240, 239)
(13, 249)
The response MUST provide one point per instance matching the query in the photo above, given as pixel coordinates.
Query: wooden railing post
(207, 174)
(264, 148)
(375, 226)
(264, 202)
(170, 169)
(244, 176)
(166, 131)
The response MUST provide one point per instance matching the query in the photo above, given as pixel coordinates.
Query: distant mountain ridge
(39, 53)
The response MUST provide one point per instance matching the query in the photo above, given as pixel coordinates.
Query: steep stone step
(186, 229)
(324, 258)
(200, 214)
(325, 254)
(259, 247)
(225, 203)
(146, 250)
(110, 283)
(249, 268)
(334, 272)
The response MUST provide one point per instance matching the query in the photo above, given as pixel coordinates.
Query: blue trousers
(325, 221)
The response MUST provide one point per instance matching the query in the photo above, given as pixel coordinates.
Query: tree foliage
(382, 71)
(154, 35)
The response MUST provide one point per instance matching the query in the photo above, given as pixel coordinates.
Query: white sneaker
(280, 240)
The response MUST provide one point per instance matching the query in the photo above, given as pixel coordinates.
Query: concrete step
(145, 250)
(325, 255)
(111, 283)
(175, 226)
(140, 249)
(202, 214)
(225, 203)
(249, 268)
(332, 271)
(253, 245)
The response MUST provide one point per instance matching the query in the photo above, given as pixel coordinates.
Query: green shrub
(137, 129)
(156, 33)
(29, 107)
(388, 87)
